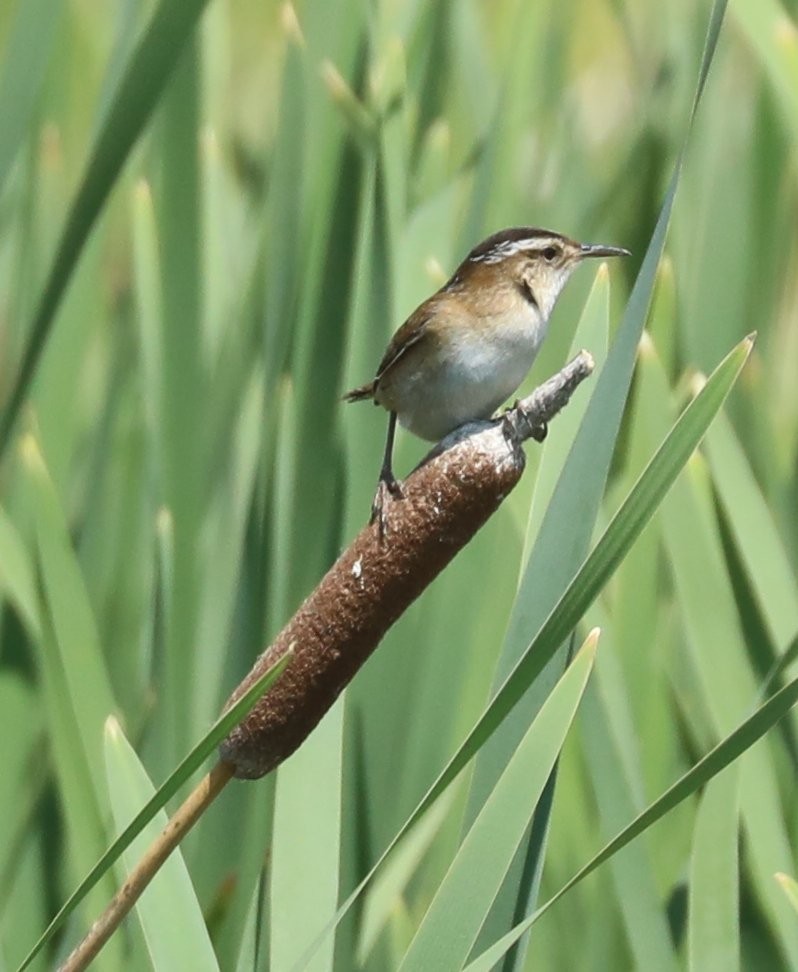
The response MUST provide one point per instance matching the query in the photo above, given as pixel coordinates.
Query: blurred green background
(182, 471)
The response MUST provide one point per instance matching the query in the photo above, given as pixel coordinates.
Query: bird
(467, 348)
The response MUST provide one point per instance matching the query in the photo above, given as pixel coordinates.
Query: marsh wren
(467, 348)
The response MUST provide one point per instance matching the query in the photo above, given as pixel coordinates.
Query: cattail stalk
(446, 500)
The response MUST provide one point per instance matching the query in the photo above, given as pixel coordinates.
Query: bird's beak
(597, 250)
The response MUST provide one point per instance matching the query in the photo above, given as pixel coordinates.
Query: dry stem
(179, 825)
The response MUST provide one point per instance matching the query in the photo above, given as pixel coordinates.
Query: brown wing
(410, 333)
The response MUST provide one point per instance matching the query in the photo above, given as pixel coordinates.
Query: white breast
(471, 378)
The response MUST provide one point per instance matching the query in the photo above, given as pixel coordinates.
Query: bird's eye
(550, 253)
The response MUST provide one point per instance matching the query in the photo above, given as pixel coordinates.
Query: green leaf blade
(457, 912)
(165, 792)
(168, 910)
(713, 922)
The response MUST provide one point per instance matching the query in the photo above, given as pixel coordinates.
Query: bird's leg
(387, 482)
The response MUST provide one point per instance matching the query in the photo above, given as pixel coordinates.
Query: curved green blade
(150, 67)
(734, 745)
(165, 792)
(170, 914)
(455, 916)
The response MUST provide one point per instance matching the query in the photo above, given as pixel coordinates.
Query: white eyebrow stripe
(509, 248)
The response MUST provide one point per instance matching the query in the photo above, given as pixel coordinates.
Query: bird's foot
(387, 486)
(509, 421)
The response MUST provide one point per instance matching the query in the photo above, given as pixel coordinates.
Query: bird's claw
(540, 432)
(379, 514)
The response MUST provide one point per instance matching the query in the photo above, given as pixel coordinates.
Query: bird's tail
(358, 394)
